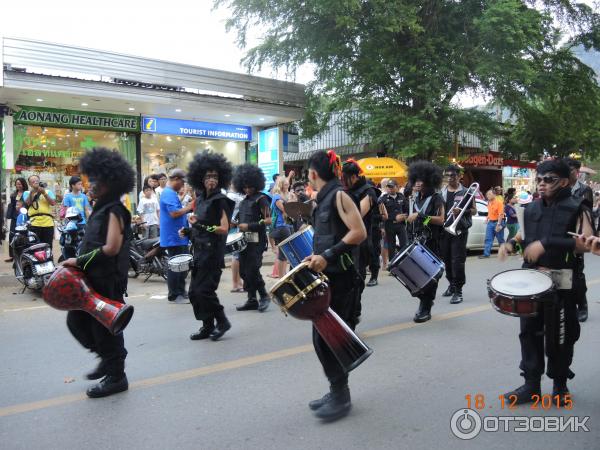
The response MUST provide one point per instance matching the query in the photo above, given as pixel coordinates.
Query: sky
(189, 32)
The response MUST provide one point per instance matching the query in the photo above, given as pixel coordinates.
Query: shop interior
(161, 153)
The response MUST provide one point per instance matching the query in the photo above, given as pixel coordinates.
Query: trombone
(464, 205)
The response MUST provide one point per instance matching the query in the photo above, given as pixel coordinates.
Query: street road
(251, 389)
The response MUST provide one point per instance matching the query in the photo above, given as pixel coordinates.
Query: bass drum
(416, 268)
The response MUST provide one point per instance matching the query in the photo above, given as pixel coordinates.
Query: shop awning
(341, 151)
(377, 169)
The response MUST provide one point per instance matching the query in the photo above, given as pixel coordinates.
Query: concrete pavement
(250, 390)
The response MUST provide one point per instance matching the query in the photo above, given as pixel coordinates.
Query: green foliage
(402, 63)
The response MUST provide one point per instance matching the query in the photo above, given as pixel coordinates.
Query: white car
(476, 238)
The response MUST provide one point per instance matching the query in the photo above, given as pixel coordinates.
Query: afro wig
(427, 172)
(109, 168)
(248, 175)
(206, 162)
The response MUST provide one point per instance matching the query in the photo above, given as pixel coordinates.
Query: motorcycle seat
(147, 244)
(36, 247)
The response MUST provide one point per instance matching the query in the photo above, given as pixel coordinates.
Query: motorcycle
(33, 263)
(71, 234)
(146, 256)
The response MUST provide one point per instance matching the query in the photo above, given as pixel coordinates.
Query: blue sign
(191, 128)
(268, 153)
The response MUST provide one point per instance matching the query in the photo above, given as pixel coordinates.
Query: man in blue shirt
(173, 218)
(77, 199)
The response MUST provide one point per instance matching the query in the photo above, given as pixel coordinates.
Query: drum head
(521, 282)
(295, 235)
(180, 259)
(287, 276)
(234, 237)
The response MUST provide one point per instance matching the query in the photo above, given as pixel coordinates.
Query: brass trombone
(464, 205)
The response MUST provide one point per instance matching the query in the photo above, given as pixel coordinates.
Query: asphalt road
(250, 390)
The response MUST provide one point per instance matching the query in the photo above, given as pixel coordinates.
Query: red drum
(520, 292)
(305, 295)
(68, 290)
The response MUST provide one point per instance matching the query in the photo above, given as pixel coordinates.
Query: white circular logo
(465, 424)
(370, 167)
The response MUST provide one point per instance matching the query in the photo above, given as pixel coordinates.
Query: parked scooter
(71, 234)
(145, 255)
(32, 263)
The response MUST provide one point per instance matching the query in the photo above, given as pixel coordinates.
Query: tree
(403, 62)
(560, 114)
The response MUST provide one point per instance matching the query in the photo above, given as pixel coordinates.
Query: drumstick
(574, 234)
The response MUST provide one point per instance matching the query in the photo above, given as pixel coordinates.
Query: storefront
(169, 143)
(483, 168)
(519, 175)
(50, 142)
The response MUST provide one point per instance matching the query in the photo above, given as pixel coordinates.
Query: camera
(43, 185)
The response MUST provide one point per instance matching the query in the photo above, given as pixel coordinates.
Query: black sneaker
(220, 330)
(456, 298)
(582, 313)
(336, 406)
(524, 393)
(560, 388)
(250, 305)
(372, 282)
(109, 385)
(97, 373)
(423, 314)
(316, 404)
(448, 292)
(263, 303)
(203, 333)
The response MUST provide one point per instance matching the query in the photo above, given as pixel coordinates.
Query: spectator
(149, 209)
(12, 211)
(510, 213)
(281, 230)
(148, 181)
(39, 202)
(172, 219)
(76, 198)
(494, 228)
(162, 182)
(299, 189)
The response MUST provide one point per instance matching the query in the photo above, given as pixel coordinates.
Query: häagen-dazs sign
(491, 160)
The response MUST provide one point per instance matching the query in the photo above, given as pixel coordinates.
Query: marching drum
(416, 268)
(67, 290)
(298, 246)
(180, 263)
(236, 242)
(520, 292)
(305, 295)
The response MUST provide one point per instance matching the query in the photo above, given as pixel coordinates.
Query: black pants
(250, 263)
(343, 297)
(374, 263)
(176, 280)
(96, 338)
(454, 255)
(555, 329)
(203, 291)
(579, 282)
(45, 234)
(391, 231)
(364, 257)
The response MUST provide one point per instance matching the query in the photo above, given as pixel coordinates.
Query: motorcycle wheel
(164, 262)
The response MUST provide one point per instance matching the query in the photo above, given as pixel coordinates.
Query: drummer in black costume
(254, 216)
(366, 198)
(208, 173)
(454, 248)
(104, 258)
(338, 230)
(547, 244)
(425, 222)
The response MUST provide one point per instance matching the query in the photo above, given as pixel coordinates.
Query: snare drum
(180, 263)
(520, 292)
(236, 242)
(298, 246)
(416, 268)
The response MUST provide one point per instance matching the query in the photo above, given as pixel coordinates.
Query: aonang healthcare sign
(62, 118)
(490, 161)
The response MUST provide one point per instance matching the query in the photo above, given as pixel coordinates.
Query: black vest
(394, 206)
(328, 226)
(116, 270)
(250, 212)
(210, 245)
(361, 192)
(553, 221)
